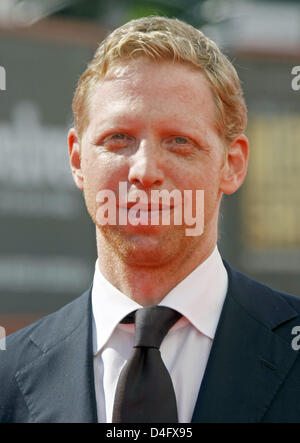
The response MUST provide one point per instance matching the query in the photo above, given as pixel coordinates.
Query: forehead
(159, 88)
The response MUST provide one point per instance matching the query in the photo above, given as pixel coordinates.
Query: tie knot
(152, 324)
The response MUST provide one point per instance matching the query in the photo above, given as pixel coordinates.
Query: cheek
(201, 176)
(205, 176)
(104, 172)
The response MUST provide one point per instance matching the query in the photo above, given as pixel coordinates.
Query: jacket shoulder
(261, 288)
(29, 343)
(43, 332)
(268, 305)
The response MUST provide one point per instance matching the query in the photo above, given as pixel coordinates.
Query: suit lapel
(248, 360)
(58, 386)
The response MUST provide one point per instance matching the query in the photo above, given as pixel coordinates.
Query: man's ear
(235, 165)
(75, 158)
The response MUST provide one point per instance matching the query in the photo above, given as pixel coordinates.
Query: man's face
(152, 125)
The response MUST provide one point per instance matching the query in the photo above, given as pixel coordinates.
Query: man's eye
(180, 145)
(118, 136)
(180, 140)
(118, 140)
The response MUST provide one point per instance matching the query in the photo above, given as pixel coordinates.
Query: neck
(148, 285)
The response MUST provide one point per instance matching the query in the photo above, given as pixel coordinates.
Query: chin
(146, 257)
(144, 248)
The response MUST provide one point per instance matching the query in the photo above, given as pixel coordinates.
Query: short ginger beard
(125, 248)
(175, 243)
(137, 250)
(169, 251)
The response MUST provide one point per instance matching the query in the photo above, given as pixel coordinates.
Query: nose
(145, 168)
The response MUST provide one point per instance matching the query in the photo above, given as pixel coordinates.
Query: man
(159, 108)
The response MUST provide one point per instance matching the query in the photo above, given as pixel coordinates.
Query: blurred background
(47, 241)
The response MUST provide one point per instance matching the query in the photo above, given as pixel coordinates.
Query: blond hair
(162, 38)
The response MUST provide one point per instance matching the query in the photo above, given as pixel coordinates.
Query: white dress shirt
(184, 350)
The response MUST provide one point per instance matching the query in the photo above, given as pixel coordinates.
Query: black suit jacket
(252, 375)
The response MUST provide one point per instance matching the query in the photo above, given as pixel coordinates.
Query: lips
(146, 207)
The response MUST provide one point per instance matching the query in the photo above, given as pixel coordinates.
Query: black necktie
(145, 392)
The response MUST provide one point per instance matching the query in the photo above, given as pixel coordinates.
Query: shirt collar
(199, 298)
